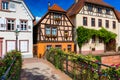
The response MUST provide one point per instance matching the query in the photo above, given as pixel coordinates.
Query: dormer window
(107, 11)
(90, 7)
(99, 10)
(4, 5)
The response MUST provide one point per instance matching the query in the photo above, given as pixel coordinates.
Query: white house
(94, 14)
(15, 16)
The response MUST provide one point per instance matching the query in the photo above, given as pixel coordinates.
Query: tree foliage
(84, 34)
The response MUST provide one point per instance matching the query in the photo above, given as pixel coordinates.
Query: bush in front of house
(14, 73)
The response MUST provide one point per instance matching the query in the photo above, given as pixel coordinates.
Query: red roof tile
(76, 7)
(55, 7)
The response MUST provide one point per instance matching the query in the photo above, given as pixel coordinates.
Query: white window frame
(24, 24)
(13, 47)
(12, 24)
(5, 5)
(21, 46)
(54, 31)
(47, 31)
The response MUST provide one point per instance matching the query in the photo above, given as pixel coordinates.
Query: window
(54, 31)
(69, 47)
(4, 5)
(57, 16)
(99, 10)
(107, 24)
(92, 21)
(85, 21)
(24, 46)
(93, 39)
(48, 47)
(23, 25)
(100, 22)
(10, 45)
(90, 7)
(47, 30)
(114, 24)
(10, 24)
(58, 46)
(108, 11)
(100, 40)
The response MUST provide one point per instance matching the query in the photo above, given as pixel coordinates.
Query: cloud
(37, 18)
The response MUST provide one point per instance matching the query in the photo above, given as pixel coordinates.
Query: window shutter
(18, 24)
(12, 7)
(2, 24)
(29, 26)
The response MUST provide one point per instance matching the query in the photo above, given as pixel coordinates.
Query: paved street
(39, 69)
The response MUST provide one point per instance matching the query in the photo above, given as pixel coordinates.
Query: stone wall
(111, 59)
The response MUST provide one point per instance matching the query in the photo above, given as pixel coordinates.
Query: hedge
(15, 70)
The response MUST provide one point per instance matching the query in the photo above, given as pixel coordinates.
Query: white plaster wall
(99, 46)
(20, 13)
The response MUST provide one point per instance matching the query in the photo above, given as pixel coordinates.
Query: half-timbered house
(94, 14)
(53, 30)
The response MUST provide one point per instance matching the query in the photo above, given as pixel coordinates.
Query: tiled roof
(76, 7)
(55, 7)
(117, 14)
(98, 2)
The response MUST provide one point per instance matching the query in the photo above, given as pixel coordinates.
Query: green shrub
(15, 70)
(82, 67)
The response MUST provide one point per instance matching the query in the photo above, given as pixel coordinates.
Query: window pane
(85, 21)
(99, 22)
(48, 47)
(58, 46)
(8, 26)
(54, 31)
(23, 25)
(69, 47)
(90, 7)
(107, 24)
(93, 22)
(47, 31)
(114, 24)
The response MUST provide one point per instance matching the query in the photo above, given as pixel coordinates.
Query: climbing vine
(84, 34)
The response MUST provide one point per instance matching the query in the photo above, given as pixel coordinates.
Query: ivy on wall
(85, 34)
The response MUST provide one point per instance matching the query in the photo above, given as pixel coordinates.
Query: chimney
(48, 5)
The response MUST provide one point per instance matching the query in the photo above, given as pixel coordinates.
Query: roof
(76, 7)
(55, 7)
(117, 14)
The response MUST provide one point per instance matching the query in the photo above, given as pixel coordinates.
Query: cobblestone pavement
(39, 69)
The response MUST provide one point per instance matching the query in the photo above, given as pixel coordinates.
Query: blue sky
(40, 7)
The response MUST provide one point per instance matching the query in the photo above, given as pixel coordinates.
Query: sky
(39, 7)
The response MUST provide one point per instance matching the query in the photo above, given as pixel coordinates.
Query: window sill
(5, 10)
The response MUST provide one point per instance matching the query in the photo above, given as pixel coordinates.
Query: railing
(7, 75)
(81, 69)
